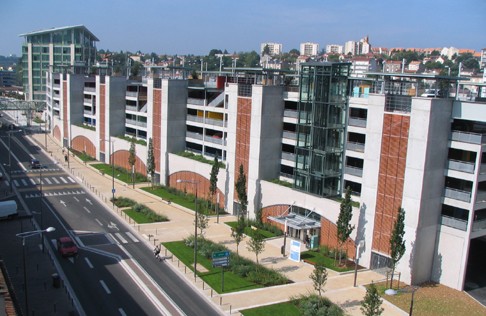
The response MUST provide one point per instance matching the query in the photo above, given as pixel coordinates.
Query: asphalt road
(115, 272)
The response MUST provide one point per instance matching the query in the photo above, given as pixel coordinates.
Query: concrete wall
(265, 141)
(424, 183)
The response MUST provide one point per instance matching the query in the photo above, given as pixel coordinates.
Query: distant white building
(358, 48)
(274, 48)
(309, 49)
(482, 62)
(334, 49)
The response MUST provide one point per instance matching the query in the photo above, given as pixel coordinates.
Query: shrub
(124, 202)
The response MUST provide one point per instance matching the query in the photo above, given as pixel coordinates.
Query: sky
(197, 26)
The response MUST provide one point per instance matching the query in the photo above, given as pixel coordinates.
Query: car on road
(66, 247)
(35, 164)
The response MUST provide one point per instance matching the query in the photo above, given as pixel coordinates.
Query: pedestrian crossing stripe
(47, 180)
(37, 195)
(28, 182)
(63, 180)
(36, 170)
(55, 180)
(119, 239)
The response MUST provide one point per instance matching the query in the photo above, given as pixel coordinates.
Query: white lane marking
(32, 181)
(24, 182)
(77, 200)
(88, 262)
(113, 226)
(103, 284)
(123, 240)
(86, 209)
(113, 239)
(98, 221)
(63, 180)
(122, 312)
(133, 238)
(71, 179)
(55, 180)
(16, 183)
(47, 180)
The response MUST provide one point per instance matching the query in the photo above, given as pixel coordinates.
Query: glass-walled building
(321, 127)
(69, 49)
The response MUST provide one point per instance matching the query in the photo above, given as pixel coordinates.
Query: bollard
(211, 292)
(220, 300)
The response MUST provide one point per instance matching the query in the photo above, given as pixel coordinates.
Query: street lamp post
(24, 236)
(356, 259)
(409, 289)
(195, 183)
(112, 162)
(10, 157)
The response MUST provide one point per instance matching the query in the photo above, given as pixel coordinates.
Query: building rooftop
(55, 29)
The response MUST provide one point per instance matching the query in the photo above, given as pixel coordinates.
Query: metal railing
(195, 101)
(479, 225)
(454, 222)
(291, 113)
(289, 135)
(461, 166)
(457, 194)
(358, 172)
(137, 123)
(288, 156)
(466, 137)
(354, 146)
(89, 89)
(356, 121)
(194, 135)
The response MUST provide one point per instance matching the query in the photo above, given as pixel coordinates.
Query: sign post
(221, 259)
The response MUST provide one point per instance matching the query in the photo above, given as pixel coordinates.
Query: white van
(8, 209)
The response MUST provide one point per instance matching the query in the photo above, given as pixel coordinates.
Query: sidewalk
(339, 287)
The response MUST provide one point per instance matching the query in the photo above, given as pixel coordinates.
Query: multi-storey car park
(320, 131)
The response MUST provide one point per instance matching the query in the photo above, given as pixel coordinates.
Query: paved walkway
(339, 287)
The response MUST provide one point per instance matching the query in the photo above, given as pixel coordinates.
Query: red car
(67, 247)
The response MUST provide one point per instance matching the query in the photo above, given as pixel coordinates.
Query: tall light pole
(195, 183)
(45, 129)
(24, 236)
(112, 162)
(9, 157)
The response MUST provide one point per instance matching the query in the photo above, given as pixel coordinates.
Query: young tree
(397, 243)
(371, 305)
(344, 229)
(132, 158)
(238, 232)
(213, 184)
(319, 278)
(151, 161)
(241, 190)
(202, 222)
(256, 244)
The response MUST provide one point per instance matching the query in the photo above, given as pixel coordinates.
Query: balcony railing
(454, 222)
(356, 121)
(457, 194)
(196, 101)
(291, 113)
(461, 166)
(289, 135)
(479, 225)
(194, 135)
(89, 89)
(465, 137)
(354, 146)
(288, 156)
(482, 169)
(358, 172)
(215, 140)
(198, 119)
(137, 123)
(480, 196)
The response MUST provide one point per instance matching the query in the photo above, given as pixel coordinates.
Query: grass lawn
(232, 282)
(433, 299)
(249, 230)
(329, 263)
(120, 174)
(282, 309)
(138, 217)
(180, 199)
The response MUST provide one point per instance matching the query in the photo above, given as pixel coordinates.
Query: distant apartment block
(483, 59)
(362, 65)
(334, 49)
(273, 48)
(309, 49)
(357, 48)
(68, 49)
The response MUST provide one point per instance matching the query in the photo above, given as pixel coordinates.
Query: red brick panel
(156, 127)
(57, 133)
(84, 144)
(243, 121)
(121, 160)
(274, 210)
(329, 238)
(203, 185)
(390, 179)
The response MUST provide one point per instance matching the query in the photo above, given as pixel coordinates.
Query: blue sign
(295, 251)
(113, 190)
